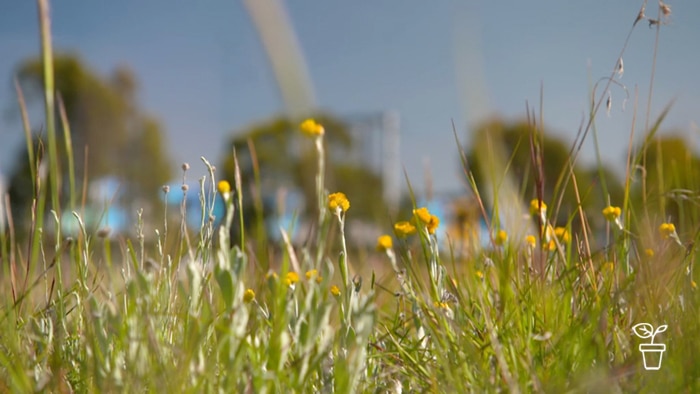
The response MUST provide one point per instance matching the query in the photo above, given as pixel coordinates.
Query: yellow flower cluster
(384, 243)
(338, 201)
(531, 241)
(335, 291)
(612, 213)
(667, 230)
(430, 221)
(311, 128)
(537, 207)
(291, 279)
(313, 274)
(404, 228)
(562, 235)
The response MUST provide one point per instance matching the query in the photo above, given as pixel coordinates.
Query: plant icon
(654, 350)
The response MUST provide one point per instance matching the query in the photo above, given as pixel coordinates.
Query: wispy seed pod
(185, 166)
(104, 232)
(166, 189)
(653, 22)
(185, 187)
(620, 68)
(608, 104)
(640, 16)
(665, 9)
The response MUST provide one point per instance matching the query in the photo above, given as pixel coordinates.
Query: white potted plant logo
(651, 352)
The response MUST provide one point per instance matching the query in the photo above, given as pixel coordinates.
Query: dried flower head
(640, 15)
(185, 166)
(104, 232)
(620, 68)
(166, 189)
(665, 9)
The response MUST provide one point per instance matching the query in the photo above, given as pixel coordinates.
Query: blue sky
(204, 73)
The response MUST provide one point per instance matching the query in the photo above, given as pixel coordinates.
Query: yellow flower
(479, 274)
(271, 275)
(313, 274)
(423, 214)
(537, 207)
(609, 265)
(292, 278)
(442, 305)
(693, 284)
(335, 291)
(551, 246)
(384, 243)
(649, 252)
(562, 234)
(667, 230)
(248, 296)
(433, 224)
(501, 237)
(612, 213)
(531, 240)
(404, 228)
(224, 187)
(311, 128)
(338, 200)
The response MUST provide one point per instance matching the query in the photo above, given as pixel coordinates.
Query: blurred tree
(287, 159)
(110, 134)
(516, 140)
(672, 178)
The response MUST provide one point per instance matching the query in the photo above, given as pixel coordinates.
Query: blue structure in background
(101, 212)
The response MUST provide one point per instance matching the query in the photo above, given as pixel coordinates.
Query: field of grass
(552, 312)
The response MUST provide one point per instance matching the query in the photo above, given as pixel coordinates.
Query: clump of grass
(552, 311)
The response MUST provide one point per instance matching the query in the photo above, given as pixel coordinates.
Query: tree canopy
(111, 135)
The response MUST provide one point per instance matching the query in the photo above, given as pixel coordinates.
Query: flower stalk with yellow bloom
(612, 214)
(315, 130)
(539, 209)
(668, 230)
(500, 238)
(338, 203)
(430, 221)
(248, 296)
